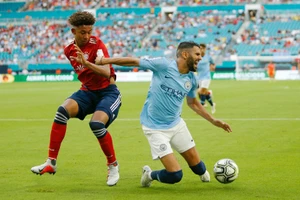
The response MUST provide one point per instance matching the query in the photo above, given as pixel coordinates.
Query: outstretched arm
(123, 61)
(200, 110)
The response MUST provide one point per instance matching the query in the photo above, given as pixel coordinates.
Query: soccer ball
(226, 170)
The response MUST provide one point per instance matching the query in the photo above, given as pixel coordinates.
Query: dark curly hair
(81, 18)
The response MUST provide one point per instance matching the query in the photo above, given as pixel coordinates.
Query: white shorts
(204, 83)
(162, 141)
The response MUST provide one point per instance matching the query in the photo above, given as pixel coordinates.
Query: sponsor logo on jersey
(173, 92)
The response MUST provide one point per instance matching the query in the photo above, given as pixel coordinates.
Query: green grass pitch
(265, 143)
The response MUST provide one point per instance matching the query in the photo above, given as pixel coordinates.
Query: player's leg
(197, 166)
(97, 125)
(106, 112)
(183, 143)
(161, 149)
(67, 110)
(205, 91)
(201, 92)
(272, 75)
(208, 95)
(171, 174)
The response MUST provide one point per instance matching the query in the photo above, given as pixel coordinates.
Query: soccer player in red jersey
(98, 95)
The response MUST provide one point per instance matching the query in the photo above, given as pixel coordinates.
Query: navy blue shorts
(107, 100)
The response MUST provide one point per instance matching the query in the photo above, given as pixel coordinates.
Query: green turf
(265, 143)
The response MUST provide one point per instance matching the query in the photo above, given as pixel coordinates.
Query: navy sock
(202, 99)
(199, 168)
(167, 177)
(209, 99)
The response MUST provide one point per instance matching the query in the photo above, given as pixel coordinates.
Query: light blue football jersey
(203, 68)
(168, 89)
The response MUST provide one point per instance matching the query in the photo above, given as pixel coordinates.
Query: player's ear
(185, 54)
(73, 30)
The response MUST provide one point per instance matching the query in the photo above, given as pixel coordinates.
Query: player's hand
(80, 56)
(222, 125)
(98, 60)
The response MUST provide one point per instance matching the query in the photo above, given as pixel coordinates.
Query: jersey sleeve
(102, 51)
(193, 92)
(154, 64)
(66, 52)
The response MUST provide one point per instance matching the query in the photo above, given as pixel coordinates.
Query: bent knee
(203, 91)
(98, 128)
(177, 176)
(61, 116)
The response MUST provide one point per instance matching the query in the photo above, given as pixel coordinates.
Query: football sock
(167, 177)
(209, 99)
(199, 168)
(202, 99)
(104, 139)
(107, 147)
(57, 135)
(58, 131)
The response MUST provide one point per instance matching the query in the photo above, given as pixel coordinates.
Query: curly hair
(81, 18)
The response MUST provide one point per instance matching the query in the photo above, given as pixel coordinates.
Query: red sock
(57, 135)
(107, 147)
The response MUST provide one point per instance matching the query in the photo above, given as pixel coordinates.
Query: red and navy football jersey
(89, 80)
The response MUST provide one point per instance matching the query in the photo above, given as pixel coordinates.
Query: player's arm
(194, 104)
(122, 61)
(212, 65)
(101, 70)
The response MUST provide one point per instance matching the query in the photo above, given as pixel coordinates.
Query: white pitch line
(186, 119)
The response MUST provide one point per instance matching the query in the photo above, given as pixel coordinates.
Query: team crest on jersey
(86, 55)
(187, 85)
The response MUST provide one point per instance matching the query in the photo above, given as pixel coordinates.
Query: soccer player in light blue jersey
(172, 82)
(205, 66)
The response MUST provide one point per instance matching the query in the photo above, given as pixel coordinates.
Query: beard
(190, 63)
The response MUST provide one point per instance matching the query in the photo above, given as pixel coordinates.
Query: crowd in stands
(227, 2)
(21, 42)
(60, 4)
(122, 38)
(270, 35)
(127, 32)
(128, 39)
(214, 2)
(212, 27)
(84, 4)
